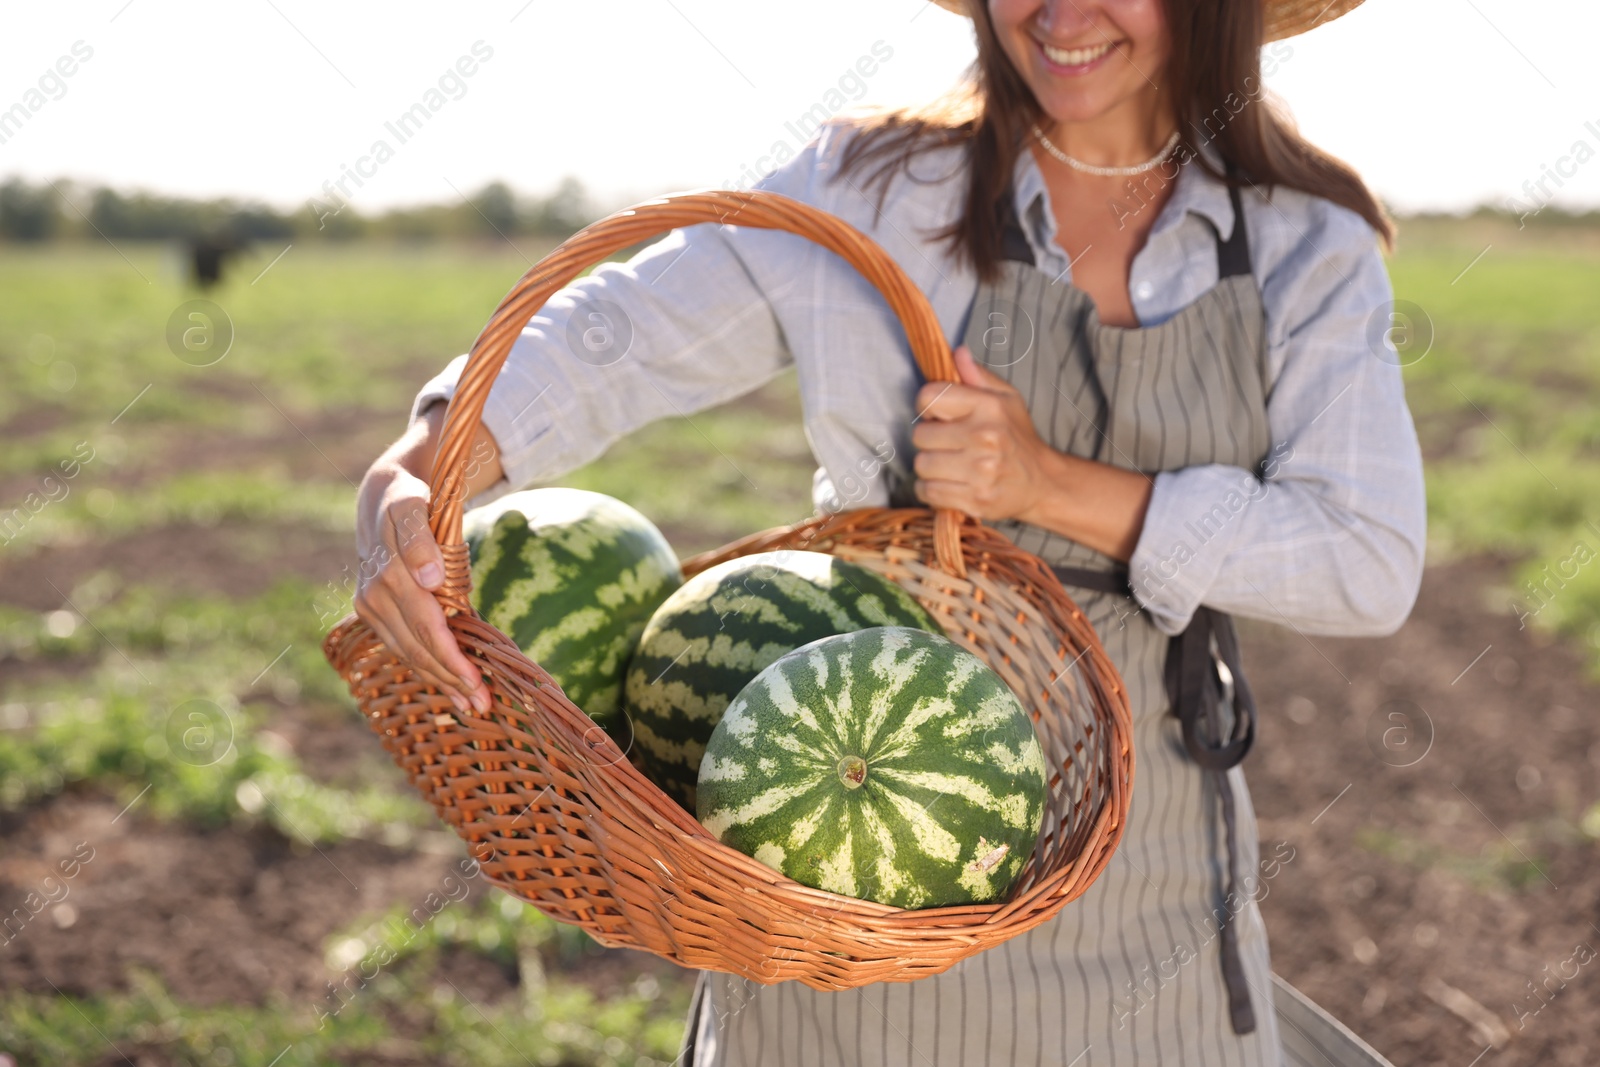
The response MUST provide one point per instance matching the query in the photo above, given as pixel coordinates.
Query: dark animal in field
(207, 256)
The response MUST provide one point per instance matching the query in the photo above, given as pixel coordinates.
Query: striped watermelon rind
(887, 764)
(572, 577)
(717, 632)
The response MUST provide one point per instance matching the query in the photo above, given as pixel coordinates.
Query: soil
(220, 559)
(1410, 870)
(222, 916)
(226, 916)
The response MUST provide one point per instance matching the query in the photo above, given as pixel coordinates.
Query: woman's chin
(1075, 109)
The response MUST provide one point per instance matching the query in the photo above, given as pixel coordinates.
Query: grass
(1497, 869)
(570, 1027)
(1503, 402)
(562, 1027)
(175, 696)
(203, 499)
(311, 331)
(389, 986)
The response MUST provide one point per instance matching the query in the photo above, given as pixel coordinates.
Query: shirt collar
(1197, 192)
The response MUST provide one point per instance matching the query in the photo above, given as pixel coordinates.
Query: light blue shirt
(1330, 541)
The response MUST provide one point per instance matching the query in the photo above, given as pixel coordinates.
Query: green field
(1504, 404)
(205, 530)
(161, 608)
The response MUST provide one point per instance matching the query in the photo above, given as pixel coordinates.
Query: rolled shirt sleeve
(1328, 537)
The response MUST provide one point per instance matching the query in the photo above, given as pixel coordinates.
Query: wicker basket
(558, 816)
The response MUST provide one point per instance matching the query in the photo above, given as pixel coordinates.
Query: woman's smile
(1075, 62)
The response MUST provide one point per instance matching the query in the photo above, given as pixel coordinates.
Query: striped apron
(1134, 971)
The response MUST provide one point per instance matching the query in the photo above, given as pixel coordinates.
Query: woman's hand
(978, 452)
(401, 562)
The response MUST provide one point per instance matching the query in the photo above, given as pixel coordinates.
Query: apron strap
(1193, 684)
(1194, 692)
(1013, 242)
(1233, 255)
(1194, 689)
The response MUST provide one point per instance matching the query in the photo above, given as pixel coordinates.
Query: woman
(1172, 390)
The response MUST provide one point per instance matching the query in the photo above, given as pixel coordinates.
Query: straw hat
(1285, 18)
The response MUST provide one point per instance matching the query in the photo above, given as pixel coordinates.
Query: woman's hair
(1214, 77)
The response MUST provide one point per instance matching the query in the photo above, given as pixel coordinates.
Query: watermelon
(716, 633)
(572, 577)
(887, 764)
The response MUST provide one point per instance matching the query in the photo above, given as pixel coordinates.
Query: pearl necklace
(1108, 172)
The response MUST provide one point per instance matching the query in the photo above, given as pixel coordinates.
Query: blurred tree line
(66, 210)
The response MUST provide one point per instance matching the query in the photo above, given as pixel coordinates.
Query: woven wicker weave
(558, 816)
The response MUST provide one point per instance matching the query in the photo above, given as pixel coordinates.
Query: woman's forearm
(1095, 504)
(417, 449)
(979, 452)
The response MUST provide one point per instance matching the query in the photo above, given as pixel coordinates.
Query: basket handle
(755, 208)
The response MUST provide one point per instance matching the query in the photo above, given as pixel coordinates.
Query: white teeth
(1075, 57)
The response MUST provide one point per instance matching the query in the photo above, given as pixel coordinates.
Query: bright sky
(1439, 103)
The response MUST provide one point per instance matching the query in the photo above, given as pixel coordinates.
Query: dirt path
(1411, 906)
